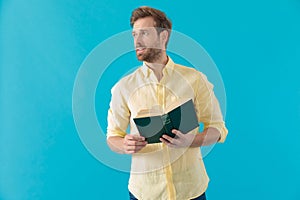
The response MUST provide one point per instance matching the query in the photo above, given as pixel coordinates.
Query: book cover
(180, 115)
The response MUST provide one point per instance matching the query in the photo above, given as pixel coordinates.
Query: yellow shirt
(158, 171)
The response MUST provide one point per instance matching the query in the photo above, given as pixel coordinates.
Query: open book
(180, 115)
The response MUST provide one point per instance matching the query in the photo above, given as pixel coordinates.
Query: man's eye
(145, 33)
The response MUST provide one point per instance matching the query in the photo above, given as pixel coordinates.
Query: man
(172, 169)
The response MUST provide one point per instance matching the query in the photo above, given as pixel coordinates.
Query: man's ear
(164, 36)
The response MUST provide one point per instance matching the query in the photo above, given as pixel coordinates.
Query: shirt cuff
(222, 130)
(115, 133)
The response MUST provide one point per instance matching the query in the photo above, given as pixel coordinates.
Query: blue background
(255, 44)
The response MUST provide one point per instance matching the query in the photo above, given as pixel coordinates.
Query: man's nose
(138, 39)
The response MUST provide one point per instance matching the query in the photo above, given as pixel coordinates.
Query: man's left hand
(180, 139)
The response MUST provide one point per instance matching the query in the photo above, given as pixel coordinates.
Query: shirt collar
(166, 71)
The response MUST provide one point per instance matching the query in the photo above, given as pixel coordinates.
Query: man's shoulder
(187, 70)
(128, 80)
(190, 74)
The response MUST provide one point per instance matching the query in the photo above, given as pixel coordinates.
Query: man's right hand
(133, 143)
(129, 144)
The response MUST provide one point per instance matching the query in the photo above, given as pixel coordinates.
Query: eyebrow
(140, 29)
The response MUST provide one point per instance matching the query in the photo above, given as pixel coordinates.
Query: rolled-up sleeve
(118, 113)
(208, 108)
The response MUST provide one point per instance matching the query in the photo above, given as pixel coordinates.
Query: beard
(150, 55)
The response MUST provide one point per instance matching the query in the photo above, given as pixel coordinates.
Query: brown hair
(161, 21)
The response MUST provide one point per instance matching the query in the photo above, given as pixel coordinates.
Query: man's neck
(158, 66)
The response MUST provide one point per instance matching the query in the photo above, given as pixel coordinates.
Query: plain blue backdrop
(255, 44)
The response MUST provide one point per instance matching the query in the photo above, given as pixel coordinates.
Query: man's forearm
(115, 143)
(207, 137)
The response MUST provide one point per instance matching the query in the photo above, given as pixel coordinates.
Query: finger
(133, 149)
(164, 140)
(135, 137)
(135, 143)
(177, 132)
(174, 141)
(129, 152)
(167, 142)
(131, 142)
(168, 138)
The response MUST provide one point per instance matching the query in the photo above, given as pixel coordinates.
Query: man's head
(151, 32)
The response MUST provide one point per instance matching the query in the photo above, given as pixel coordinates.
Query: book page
(155, 111)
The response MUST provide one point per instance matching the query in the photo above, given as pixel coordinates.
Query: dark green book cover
(183, 118)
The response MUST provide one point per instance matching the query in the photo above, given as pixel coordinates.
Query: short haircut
(161, 22)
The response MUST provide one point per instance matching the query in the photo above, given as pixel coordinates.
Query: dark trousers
(201, 197)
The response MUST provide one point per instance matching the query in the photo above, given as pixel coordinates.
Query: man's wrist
(198, 140)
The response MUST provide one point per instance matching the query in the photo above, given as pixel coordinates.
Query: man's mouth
(140, 50)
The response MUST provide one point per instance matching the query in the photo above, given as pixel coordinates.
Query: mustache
(139, 45)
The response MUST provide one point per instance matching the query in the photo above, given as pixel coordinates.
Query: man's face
(147, 42)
